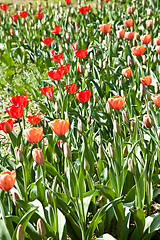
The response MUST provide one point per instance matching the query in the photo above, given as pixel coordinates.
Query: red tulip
(56, 30)
(146, 121)
(120, 34)
(130, 10)
(4, 7)
(84, 9)
(138, 50)
(105, 28)
(60, 143)
(129, 35)
(45, 90)
(23, 14)
(83, 96)
(117, 102)
(75, 46)
(64, 68)
(57, 74)
(7, 126)
(15, 111)
(7, 180)
(157, 41)
(127, 72)
(14, 17)
(68, 2)
(58, 58)
(156, 99)
(81, 53)
(128, 23)
(34, 119)
(39, 15)
(34, 135)
(47, 41)
(59, 126)
(146, 80)
(72, 88)
(20, 100)
(146, 39)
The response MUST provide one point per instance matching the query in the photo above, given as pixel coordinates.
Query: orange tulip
(146, 39)
(117, 102)
(146, 121)
(129, 35)
(156, 99)
(146, 80)
(105, 28)
(38, 156)
(128, 23)
(127, 72)
(138, 50)
(34, 135)
(157, 41)
(149, 23)
(120, 34)
(59, 126)
(7, 180)
(158, 49)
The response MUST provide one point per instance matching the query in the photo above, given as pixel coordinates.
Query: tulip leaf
(106, 237)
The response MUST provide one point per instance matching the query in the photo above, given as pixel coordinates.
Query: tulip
(19, 154)
(4, 7)
(146, 121)
(128, 23)
(80, 68)
(59, 126)
(75, 46)
(146, 80)
(34, 119)
(68, 2)
(108, 108)
(125, 117)
(15, 111)
(138, 50)
(84, 9)
(7, 180)
(57, 107)
(39, 15)
(16, 197)
(38, 156)
(12, 32)
(129, 61)
(23, 14)
(149, 23)
(105, 28)
(158, 49)
(20, 233)
(47, 41)
(34, 135)
(116, 127)
(142, 89)
(120, 34)
(86, 165)
(111, 151)
(58, 58)
(49, 197)
(101, 153)
(117, 102)
(149, 12)
(156, 99)
(89, 120)
(56, 30)
(81, 53)
(127, 72)
(14, 17)
(20, 100)
(7, 126)
(72, 88)
(132, 126)
(83, 96)
(157, 41)
(125, 151)
(60, 143)
(146, 39)
(57, 74)
(64, 68)
(130, 10)
(41, 228)
(67, 151)
(131, 166)
(80, 127)
(45, 90)
(129, 35)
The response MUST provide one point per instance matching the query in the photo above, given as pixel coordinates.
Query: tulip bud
(56, 159)
(91, 56)
(66, 46)
(80, 126)
(69, 19)
(116, 127)
(86, 165)
(50, 96)
(89, 120)
(15, 6)
(111, 151)
(155, 58)
(60, 144)
(61, 10)
(132, 125)
(101, 154)
(129, 61)
(67, 151)
(131, 166)
(80, 68)
(57, 107)
(41, 228)
(49, 197)
(20, 233)
(140, 20)
(100, 63)
(18, 154)
(23, 20)
(60, 49)
(38, 156)
(3, 34)
(142, 89)
(72, 10)
(125, 151)
(125, 117)
(15, 197)
(101, 201)
(149, 12)
(67, 36)
(108, 108)
(12, 32)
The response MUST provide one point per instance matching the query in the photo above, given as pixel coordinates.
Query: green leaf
(7, 59)
(139, 217)
(106, 237)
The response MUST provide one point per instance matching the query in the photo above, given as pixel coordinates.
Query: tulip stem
(9, 203)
